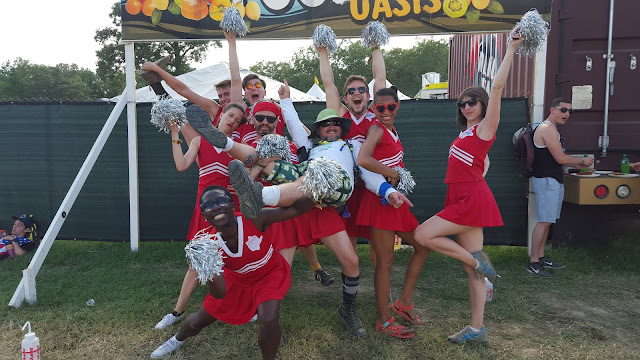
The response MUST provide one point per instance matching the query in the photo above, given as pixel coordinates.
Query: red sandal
(395, 331)
(401, 310)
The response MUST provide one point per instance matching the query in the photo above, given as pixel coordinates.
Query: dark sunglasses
(390, 106)
(330, 122)
(257, 85)
(270, 119)
(209, 205)
(564, 110)
(360, 89)
(471, 102)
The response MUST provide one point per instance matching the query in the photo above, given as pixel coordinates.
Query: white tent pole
(132, 136)
(26, 288)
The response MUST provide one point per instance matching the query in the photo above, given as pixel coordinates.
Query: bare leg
(416, 262)
(269, 334)
(340, 246)
(288, 254)
(189, 284)
(194, 323)
(472, 242)
(290, 192)
(538, 240)
(432, 232)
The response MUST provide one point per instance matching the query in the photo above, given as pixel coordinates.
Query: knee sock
(349, 289)
(271, 195)
(229, 145)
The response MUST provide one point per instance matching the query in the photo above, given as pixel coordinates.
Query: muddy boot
(201, 122)
(249, 192)
(347, 310)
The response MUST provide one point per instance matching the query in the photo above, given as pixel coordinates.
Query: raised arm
(379, 71)
(297, 130)
(234, 69)
(366, 159)
(183, 161)
(210, 106)
(330, 89)
(489, 125)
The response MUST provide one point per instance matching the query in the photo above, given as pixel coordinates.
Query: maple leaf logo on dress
(253, 242)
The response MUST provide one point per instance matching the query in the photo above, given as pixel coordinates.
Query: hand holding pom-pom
(168, 111)
(205, 256)
(405, 180)
(274, 145)
(323, 175)
(375, 35)
(533, 30)
(324, 37)
(232, 22)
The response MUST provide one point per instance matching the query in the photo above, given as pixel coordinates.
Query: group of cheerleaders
(258, 251)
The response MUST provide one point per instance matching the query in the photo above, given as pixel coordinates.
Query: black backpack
(524, 149)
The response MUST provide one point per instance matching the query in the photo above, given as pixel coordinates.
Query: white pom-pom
(405, 183)
(205, 255)
(170, 110)
(375, 34)
(324, 37)
(534, 31)
(232, 22)
(274, 145)
(322, 176)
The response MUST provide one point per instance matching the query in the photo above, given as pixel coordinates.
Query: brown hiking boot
(151, 77)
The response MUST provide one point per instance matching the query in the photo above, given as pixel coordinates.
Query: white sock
(477, 266)
(474, 329)
(271, 195)
(229, 145)
(176, 340)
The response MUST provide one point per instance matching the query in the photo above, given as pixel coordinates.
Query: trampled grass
(589, 310)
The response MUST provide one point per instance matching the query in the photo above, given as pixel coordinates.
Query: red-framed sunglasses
(390, 106)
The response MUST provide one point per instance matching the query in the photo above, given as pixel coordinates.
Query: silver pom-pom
(324, 37)
(405, 183)
(375, 34)
(205, 255)
(534, 31)
(232, 22)
(171, 110)
(274, 145)
(322, 176)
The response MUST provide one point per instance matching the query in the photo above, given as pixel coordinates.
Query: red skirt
(471, 203)
(374, 214)
(288, 236)
(245, 292)
(316, 224)
(353, 207)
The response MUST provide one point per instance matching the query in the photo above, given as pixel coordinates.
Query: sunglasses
(390, 106)
(564, 110)
(270, 119)
(360, 89)
(211, 204)
(330, 122)
(471, 102)
(257, 85)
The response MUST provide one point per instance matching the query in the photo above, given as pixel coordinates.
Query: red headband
(267, 106)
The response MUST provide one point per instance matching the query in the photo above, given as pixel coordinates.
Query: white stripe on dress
(253, 266)
(461, 155)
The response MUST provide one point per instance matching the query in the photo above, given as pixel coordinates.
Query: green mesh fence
(46, 144)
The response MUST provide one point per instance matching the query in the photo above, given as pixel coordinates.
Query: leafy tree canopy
(111, 64)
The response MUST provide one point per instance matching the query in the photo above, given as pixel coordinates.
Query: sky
(46, 37)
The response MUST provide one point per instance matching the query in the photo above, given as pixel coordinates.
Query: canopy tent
(401, 96)
(202, 82)
(316, 92)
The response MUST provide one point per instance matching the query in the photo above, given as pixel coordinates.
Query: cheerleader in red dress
(213, 165)
(381, 151)
(470, 205)
(256, 277)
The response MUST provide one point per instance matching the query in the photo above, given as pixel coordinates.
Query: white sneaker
(169, 319)
(254, 318)
(166, 348)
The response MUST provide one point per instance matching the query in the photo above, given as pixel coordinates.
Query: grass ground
(589, 310)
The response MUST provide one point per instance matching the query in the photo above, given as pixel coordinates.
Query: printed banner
(150, 20)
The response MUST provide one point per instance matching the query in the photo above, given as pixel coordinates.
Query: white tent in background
(317, 92)
(401, 96)
(202, 82)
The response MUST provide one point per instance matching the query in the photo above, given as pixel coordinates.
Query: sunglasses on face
(330, 122)
(257, 85)
(270, 119)
(564, 110)
(211, 204)
(390, 106)
(360, 89)
(471, 102)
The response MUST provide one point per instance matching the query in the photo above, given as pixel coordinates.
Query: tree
(22, 80)
(404, 66)
(110, 66)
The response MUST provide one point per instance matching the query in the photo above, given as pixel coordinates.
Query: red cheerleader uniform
(357, 132)
(255, 274)
(469, 199)
(316, 224)
(213, 170)
(388, 152)
(247, 132)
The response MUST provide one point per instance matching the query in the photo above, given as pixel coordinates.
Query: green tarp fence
(45, 145)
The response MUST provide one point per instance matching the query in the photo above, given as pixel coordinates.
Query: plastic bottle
(10, 251)
(489, 289)
(585, 170)
(30, 344)
(624, 164)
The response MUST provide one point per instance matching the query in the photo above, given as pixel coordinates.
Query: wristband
(179, 141)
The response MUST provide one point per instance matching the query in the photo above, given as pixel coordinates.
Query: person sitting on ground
(22, 238)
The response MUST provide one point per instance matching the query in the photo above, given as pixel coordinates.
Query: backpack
(524, 149)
